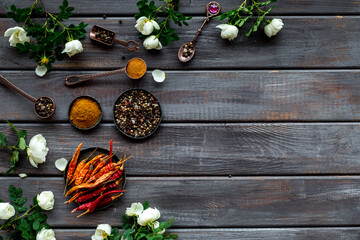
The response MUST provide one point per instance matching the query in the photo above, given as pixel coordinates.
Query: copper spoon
(108, 37)
(187, 51)
(76, 79)
(13, 87)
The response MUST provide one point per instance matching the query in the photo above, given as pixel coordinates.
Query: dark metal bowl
(84, 154)
(124, 133)
(93, 99)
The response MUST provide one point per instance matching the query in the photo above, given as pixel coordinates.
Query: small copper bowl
(94, 100)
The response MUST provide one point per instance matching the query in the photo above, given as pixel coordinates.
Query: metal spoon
(108, 37)
(38, 103)
(187, 51)
(76, 79)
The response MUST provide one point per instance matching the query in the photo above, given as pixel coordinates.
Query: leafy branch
(15, 149)
(26, 222)
(168, 13)
(244, 12)
(50, 35)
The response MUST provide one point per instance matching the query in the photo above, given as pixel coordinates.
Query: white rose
(46, 200)
(273, 27)
(135, 210)
(229, 32)
(73, 47)
(152, 42)
(147, 216)
(17, 35)
(102, 232)
(6, 211)
(37, 150)
(40, 70)
(146, 26)
(157, 225)
(46, 234)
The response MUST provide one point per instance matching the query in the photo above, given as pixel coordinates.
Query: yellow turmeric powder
(136, 68)
(85, 113)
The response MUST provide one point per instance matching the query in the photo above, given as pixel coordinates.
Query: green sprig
(27, 222)
(244, 12)
(50, 36)
(15, 149)
(167, 13)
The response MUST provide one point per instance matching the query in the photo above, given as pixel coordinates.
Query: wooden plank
(204, 95)
(238, 233)
(211, 149)
(109, 7)
(219, 201)
(317, 47)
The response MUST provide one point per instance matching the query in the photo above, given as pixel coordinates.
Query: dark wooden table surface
(260, 137)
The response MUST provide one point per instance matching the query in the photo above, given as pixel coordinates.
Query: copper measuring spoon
(39, 106)
(108, 37)
(76, 79)
(187, 51)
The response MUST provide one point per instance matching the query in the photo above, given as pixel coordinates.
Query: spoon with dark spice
(44, 107)
(187, 51)
(107, 37)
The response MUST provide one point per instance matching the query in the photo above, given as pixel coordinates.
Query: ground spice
(136, 68)
(85, 113)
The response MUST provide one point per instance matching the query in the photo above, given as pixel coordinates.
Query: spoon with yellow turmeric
(135, 68)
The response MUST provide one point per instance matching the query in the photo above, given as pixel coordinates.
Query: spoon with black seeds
(44, 107)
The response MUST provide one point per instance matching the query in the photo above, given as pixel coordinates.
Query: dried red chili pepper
(72, 165)
(111, 149)
(91, 206)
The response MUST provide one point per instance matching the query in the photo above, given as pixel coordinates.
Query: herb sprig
(26, 222)
(168, 13)
(15, 149)
(50, 35)
(245, 11)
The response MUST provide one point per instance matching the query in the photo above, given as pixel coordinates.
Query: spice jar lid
(123, 132)
(72, 105)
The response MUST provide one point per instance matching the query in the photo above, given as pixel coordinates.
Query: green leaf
(22, 134)
(22, 144)
(2, 140)
(36, 225)
(146, 205)
(13, 127)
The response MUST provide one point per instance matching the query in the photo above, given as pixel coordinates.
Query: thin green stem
(17, 218)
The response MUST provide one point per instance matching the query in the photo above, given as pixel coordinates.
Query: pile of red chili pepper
(94, 180)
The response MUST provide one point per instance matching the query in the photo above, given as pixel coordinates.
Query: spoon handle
(76, 79)
(128, 44)
(200, 29)
(15, 88)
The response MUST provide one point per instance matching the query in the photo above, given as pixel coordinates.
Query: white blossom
(46, 234)
(273, 27)
(17, 35)
(37, 150)
(73, 47)
(6, 211)
(152, 42)
(229, 32)
(135, 210)
(147, 216)
(46, 200)
(146, 26)
(102, 232)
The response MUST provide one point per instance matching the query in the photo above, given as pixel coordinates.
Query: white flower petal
(40, 70)
(148, 28)
(158, 75)
(22, 175)
(60, 164)
(156, 25)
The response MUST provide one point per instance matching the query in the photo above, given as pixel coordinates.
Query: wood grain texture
(305, 42)
(210, 149)
(219, 201)
(196, 7)
(220, 96)
(238, 233)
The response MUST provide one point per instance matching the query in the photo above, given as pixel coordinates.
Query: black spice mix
(137, 113)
